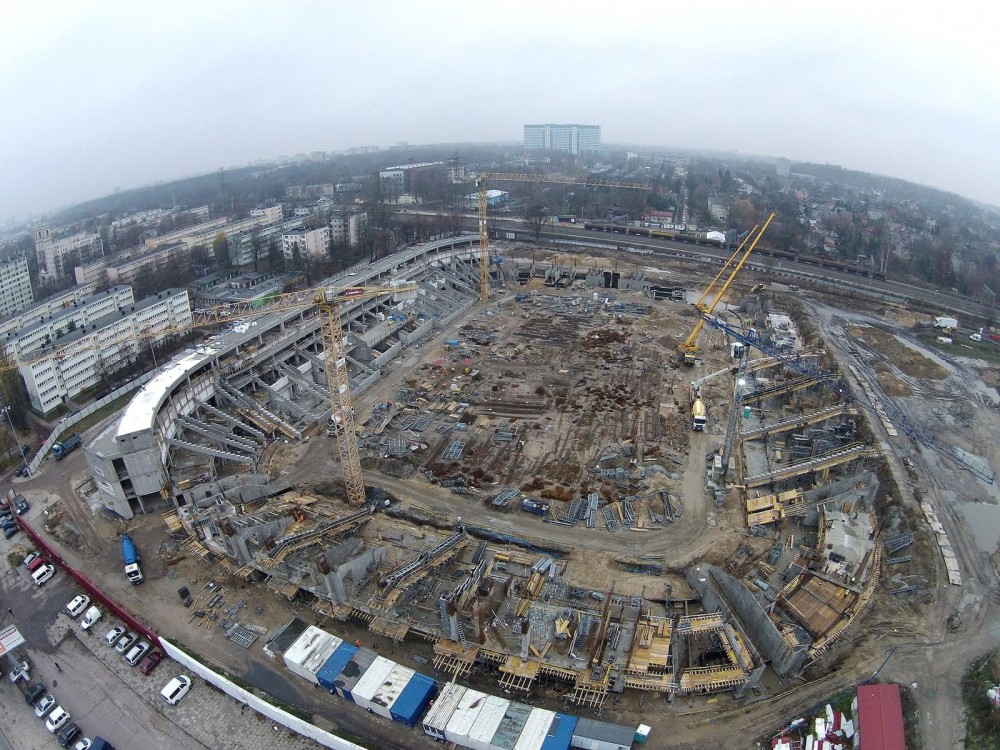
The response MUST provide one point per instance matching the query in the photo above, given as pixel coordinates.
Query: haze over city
(106, 96)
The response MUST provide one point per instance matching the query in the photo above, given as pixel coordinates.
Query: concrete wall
(422, 330)
(387, 356)
(313, 732)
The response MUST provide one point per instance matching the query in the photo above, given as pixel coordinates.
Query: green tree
(220, 248)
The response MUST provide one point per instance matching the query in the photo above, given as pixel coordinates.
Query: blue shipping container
(560, 732)
(409, 707)
(335, 664)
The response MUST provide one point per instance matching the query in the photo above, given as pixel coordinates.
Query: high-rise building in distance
(575, 139)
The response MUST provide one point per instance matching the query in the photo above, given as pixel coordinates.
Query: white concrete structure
(576, 139)
(82, 354)
(348, 228)
(15, 283)
(43, 309)
(268, 214)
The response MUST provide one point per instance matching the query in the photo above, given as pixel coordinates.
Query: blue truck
(131, 557)
(68, 445)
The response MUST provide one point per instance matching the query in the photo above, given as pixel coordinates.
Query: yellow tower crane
(690, 346)
(328, 301)
(484, 235)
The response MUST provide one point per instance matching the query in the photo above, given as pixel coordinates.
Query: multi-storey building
(267, 214)
(58, 257)
(312, 242)
(126, 271)
(347, 228)
(575, 139)
(44, 330)
(15, 283)
(81, 356)
(256, 241)
(43, 309)
(406, 178)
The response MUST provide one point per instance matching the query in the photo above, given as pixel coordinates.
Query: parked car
(22, 470)
(78, 605)
(57, 719)
(126, 642)
(92, 616)
(34, 693)
(43, 573)
(138, 651)
(45, 705)
(114, 634)
(150, 661)
(9, 531)
(30, 558)
(176, 689)
(69, 733)
(21, 505)
(83, 743)
(36, 564)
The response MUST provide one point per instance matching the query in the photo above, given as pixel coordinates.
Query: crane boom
(690, 345)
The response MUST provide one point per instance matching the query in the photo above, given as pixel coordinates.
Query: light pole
(20, 448)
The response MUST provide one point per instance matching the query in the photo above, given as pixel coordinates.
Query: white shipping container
(371, 681)
(485, 725)
(436, 720)
(307, 655)
(465, 716)
(389, 691)
(536, 728)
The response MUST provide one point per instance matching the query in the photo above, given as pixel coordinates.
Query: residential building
(15, 283)
(407, 178)
(575, 139)
(783, 168)
(312, 242)
(267, 214)
(42, 331)
(347, 228)
(44, 309)
(58, 257)
(82, 355)
(94, 273)
(127, 270)
(198, 234)
(256, 241)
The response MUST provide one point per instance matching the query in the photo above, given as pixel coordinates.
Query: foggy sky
(103, 95)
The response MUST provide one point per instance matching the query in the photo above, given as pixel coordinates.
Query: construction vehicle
(690, 346)
(68, 445)
(947, 323)
(698, 417)
(131, 557)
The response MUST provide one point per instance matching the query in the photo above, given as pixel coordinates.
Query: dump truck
(68, 445)
(698, 417)
(131, 557)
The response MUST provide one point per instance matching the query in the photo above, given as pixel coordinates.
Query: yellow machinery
(690, 346)
(484, 236)
(328, 300)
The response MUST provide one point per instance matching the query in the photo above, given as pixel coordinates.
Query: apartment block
(347, 228)
(15, 283)
(83, 354)
(574, 139)
(312, 242)
(45, 330)
(43, 309)
(267, 214)
(58, 257)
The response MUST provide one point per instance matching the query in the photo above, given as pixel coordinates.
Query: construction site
(580, 475)
(543, 503)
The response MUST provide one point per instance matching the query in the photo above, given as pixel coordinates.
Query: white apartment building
(312, 242)
(15, 283)
(267, 214)
(44, 330)
(57, 258)
(128, 270)
(96, 347)
(43, 309)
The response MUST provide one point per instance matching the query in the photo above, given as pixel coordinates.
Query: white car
(92, 616)
(43, 573)
(45, 705)
(114, 634)
(84, 744)
(57, 718)
(78, 604)
(176, 689)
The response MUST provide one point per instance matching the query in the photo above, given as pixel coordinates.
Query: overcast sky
(101, 95)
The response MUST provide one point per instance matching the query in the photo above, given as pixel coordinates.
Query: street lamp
(20, 448)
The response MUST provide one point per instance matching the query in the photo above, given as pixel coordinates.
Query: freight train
(711, 238)
(448, 712)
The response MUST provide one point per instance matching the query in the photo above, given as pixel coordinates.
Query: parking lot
(103, 694)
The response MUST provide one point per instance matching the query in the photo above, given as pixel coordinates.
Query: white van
(176, 689)
(43, 573)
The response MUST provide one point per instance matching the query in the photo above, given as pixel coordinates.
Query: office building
(574, 139)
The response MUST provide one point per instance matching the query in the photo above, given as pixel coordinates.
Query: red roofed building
(880, 718)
